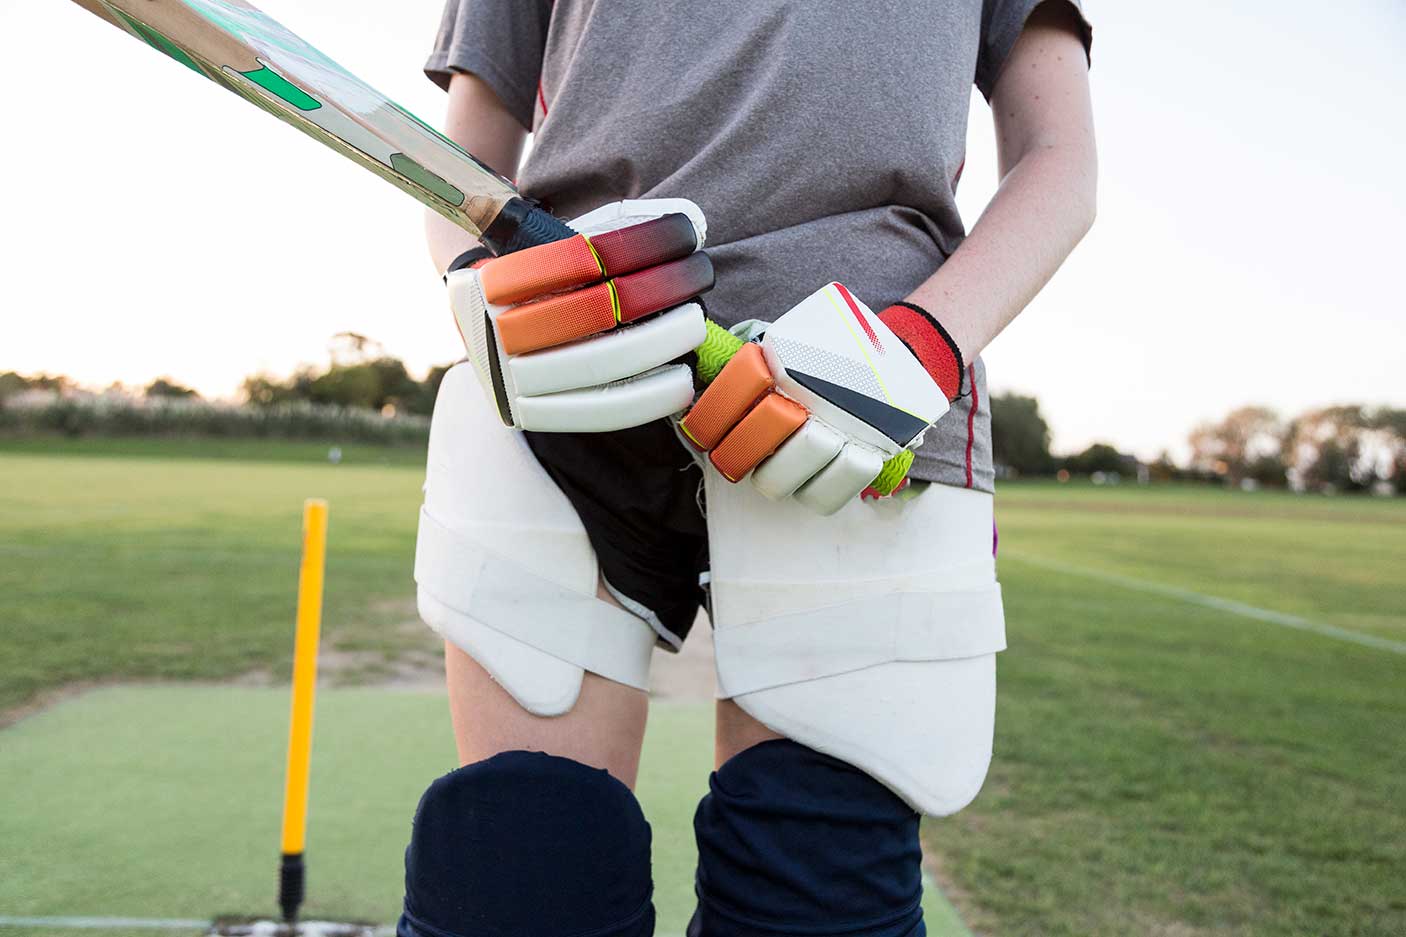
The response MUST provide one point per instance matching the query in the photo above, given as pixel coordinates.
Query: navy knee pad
(791, 841)
(526, 843)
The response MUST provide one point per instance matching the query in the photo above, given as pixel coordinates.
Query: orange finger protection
(546, 268)
(579, 313)
(582, 260)
(765, 427)
(557, 319)
(738, 385)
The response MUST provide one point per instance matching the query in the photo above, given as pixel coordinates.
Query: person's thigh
(550, 615)
(734, 731)
(605, 729)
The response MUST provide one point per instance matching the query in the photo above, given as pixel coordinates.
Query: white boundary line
(940, 898)
(107, 923)
(145, 923)
(1215, 602)
(202, 925)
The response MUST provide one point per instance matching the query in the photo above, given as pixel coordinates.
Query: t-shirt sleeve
(1001, 23)
(500, 41)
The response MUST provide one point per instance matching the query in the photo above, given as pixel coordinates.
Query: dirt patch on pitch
(414, 662)
(687, 675)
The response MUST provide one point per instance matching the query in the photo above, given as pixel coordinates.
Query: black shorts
(639, 494)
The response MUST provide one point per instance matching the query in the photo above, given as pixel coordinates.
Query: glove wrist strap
(930, 343)
(469, 258)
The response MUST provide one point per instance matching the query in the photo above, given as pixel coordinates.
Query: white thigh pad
(504, 568)
(869, 635)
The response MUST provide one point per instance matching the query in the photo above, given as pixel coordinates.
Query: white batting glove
(576, 335)
(828, 402)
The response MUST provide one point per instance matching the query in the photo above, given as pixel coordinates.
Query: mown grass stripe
(1214, 602)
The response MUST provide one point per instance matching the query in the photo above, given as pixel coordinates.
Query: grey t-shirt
(823, 139)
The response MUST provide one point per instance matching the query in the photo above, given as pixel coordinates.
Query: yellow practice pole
(309, 622)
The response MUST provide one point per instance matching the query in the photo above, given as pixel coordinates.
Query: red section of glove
(663, 286)
(565, 317)
(580, 261)
(872, 494)
(929, 342)
(626, 250)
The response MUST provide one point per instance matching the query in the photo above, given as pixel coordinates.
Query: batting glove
(577, 335)
(829, 402)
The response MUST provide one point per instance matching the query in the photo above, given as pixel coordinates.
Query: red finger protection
(566, 317)
(583, 260)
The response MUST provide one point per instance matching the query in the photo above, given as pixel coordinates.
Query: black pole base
(290, 885)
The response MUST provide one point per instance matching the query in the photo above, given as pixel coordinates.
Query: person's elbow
(1084, 190)
(1067, 167)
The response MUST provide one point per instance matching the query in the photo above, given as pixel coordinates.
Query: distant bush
(1020, 437)
(43, 413)
(165, 387)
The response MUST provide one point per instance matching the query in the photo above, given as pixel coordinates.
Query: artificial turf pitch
(162, 802)
(1167, 761)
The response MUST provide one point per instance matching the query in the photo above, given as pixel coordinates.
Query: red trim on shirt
(971, 421)
(863, 323)
(541, 98)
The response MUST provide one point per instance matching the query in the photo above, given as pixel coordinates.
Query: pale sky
(1249, 247)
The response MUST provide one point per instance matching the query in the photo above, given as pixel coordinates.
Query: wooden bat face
(238, 46)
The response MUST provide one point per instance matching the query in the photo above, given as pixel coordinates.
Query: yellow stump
(309, 621)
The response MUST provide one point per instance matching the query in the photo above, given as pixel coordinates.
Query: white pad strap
(571, 626)
(900, 626)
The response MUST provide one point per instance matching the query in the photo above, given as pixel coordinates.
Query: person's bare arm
(479, 123)
(1045, 203)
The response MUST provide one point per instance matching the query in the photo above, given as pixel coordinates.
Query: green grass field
(179, 559)
(1201, 727)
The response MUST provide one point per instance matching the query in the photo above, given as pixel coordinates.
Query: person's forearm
(1045, 203)
(479, 123)
(1043, 208)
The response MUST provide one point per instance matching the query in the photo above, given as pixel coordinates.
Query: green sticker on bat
(280, 87)
(425, 179)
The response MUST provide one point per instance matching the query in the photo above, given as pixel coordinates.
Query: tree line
(1340, 448)
(359, 375)
(1347, 448)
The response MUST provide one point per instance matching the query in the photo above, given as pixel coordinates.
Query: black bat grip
(522, 224)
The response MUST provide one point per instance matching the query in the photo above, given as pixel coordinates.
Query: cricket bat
(236, 45)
